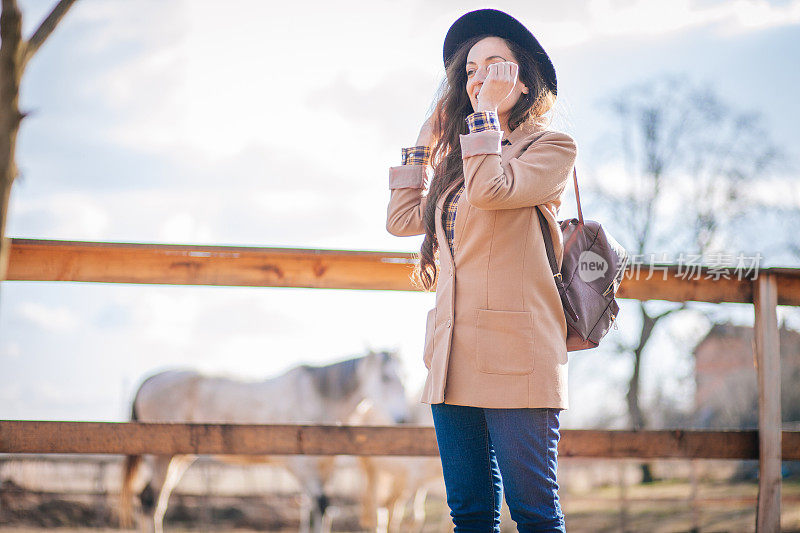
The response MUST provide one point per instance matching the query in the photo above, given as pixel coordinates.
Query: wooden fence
(49, 260)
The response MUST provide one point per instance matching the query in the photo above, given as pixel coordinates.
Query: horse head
(379, 375)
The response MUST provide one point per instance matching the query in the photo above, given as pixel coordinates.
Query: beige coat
(497, 335)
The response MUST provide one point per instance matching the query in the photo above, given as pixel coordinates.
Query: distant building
(725, 377)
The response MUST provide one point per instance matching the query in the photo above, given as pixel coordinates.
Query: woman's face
(485, 52)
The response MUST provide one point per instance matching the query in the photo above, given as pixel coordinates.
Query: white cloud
(184, 227)
(114, 22)
(215, 79)
(11, 393)
(66, 214)
(609, 19)
(210, 81)
(11, 350)
(167, 317)
(52, 319)
(759, 15)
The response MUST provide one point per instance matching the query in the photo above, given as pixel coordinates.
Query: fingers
(505, 71)
(511, 71)
(499, 83)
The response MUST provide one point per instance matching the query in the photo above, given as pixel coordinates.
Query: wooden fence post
(768, 365)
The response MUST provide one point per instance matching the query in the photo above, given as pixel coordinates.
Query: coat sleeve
(539, 175)
(406, 202)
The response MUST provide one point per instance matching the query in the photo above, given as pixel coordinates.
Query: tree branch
(681, 307)
(621, 346)
(45, 29)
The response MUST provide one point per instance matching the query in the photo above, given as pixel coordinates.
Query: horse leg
(311, 473)
(148, 495)
(419, 509)
(369, 502)
(397, 513)
(167, 472)
(327, 519)
(311, 501)
(305, 515)
(327, 466)
(394, 504)
(312, 512)
(319, 505)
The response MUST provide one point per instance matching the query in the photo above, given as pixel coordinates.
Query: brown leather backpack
(591, 273)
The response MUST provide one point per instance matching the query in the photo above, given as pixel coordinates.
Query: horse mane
(337, 380)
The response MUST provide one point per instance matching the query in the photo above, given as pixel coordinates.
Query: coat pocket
(504, 342)
(427, 353)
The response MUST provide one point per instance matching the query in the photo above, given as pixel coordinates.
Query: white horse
(398, 483)
(303, 395)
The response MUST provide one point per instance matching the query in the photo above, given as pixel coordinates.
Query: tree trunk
(11, 54)
(637, 418)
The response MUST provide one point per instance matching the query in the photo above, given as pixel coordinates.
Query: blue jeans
(476, 444)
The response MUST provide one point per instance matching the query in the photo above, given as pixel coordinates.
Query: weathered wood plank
(41, 260)
(768, 366)
(236, 439)
(52, 260)
(670, 283)
(659, 444)
(23, 436)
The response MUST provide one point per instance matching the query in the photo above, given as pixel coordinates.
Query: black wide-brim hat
(495, 22)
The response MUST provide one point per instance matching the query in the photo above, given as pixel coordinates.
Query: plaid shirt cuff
(482, 121)
(416, 155)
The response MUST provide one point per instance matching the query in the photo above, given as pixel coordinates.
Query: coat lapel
(523, 130)
(440, 236)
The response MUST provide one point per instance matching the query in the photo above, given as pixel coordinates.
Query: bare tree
(15, 53)
(689, 165)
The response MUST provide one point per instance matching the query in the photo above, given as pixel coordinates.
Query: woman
(495, 343)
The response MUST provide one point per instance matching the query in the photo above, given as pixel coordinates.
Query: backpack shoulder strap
(551, 257)
(548, 242)
(577, 196)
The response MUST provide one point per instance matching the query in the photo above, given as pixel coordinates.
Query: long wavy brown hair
(452, 105)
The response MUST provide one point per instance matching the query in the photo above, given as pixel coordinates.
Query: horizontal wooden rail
(50, 260)
(24, 436)
(53, 260)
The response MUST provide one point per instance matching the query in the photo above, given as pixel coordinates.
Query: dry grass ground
(655, 508)
(665, 507)
(38, 494)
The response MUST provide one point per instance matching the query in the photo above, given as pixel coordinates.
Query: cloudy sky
(274, 124)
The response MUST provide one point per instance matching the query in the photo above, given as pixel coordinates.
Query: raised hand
(499, 83)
